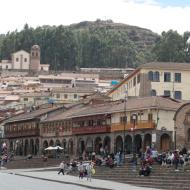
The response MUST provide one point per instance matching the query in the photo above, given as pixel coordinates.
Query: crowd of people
(85, 169)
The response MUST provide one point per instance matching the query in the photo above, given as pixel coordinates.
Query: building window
(7, 66)
(32, 53)
(123, 119)
(178, 95)
(138, 78)
(25, 59)
(25, 99)
(153, 92)
(65, 96)
(134, 81)
(17, 59)
(150, 75)
(177, 77)
(75, 96)
(58, 96)
(167, 77)
(36, 54)
(150, 116)
(167, 93)
(156, 76)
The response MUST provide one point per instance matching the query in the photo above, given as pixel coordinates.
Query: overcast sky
(157, 15)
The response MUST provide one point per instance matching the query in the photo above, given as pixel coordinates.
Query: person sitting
(145, 169)
(110, 162)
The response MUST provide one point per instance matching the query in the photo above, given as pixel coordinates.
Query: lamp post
(175, 128)
(124, 126)
(134, 119)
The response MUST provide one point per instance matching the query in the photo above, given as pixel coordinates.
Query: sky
(156, 15)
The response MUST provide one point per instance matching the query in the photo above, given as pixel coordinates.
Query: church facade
(22, 60)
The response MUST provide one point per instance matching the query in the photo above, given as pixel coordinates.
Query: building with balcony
(23, 131)
(97, 124)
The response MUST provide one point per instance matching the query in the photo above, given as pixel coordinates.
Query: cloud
(143, 13)
(147, 2)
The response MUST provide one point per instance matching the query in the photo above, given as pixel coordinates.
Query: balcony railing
(91, 129)
(140, 125)
(25, 133)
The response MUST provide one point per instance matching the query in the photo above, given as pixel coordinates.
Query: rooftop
(166, 65)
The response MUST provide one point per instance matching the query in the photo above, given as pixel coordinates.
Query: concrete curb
(64, 182)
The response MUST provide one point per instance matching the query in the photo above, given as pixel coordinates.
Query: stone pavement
(48, 175)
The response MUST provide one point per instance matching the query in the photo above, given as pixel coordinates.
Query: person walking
(176, 159)
(89, 168)
(61, 168)
(81, 170)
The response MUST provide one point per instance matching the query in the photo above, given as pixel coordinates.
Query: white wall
(21, 60)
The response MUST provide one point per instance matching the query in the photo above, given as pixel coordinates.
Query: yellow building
(155, 79)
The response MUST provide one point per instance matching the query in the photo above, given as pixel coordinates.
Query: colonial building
(23, 131)
(157, 78)
(98, 124)
(22, 60)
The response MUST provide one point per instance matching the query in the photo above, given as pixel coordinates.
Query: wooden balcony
(91, 129)
(26, 133)
(129, 126)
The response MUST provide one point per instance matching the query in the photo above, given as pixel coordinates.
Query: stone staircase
(160, 177)
(36, 162)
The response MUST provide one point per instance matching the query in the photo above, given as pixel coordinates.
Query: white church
(22, 60)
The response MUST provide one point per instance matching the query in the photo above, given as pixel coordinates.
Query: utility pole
(124, 126)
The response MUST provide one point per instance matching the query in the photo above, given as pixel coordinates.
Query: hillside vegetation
(89, 44)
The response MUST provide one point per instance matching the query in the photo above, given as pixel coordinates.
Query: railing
(140, 125)
(91, 129)
(22, 133)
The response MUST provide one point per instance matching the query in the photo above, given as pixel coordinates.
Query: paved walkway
(46, 174)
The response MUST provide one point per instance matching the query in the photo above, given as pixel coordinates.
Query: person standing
(81, 170)
(61, 168)
(176, 159)
(89, 168)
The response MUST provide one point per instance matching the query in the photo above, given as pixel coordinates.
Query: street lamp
(134, 119)
(124, 126)
(175, 128)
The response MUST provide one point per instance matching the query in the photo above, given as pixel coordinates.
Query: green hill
(85, 44)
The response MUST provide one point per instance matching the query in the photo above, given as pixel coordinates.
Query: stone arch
(45, 144)
(89, 145)
(64, 144)
(137, 143)
(26, 146)
(188, 135)
(37, 146)
(31, 146)
(147, 141)
(19, 147)
(119, 143)
(70, 146)
(128, 144)
(164, 142)
(51, 143)
(11, 146)
(107, 144)
(81, 146)
(57, 142)
(98, 144)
